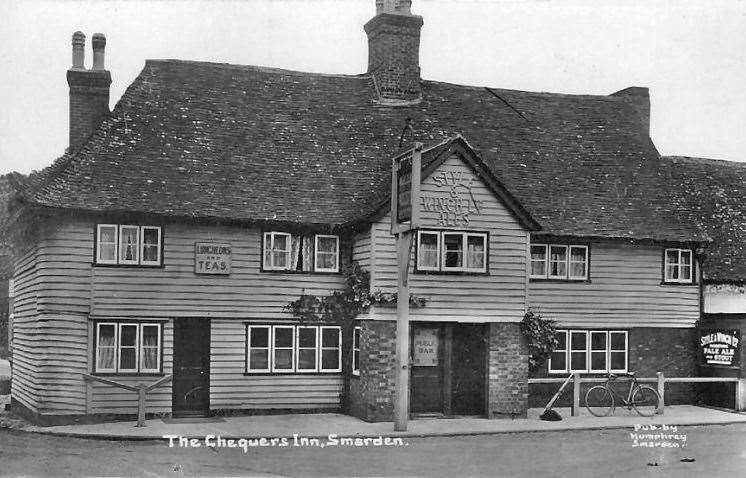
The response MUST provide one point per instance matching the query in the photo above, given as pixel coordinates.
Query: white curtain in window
(307, 253)
(106, 347)
(295, 245)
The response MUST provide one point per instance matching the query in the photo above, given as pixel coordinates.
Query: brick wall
(393, 55)
(508, 371)
(671, 351)
(372, 393)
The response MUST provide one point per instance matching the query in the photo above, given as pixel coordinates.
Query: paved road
(717, 451)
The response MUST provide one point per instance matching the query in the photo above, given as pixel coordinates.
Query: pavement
(322, 425)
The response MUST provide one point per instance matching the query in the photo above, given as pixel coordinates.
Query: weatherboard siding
(498, 296)
(232, 390)
(70, 283)
(624, 290)
(26, 352)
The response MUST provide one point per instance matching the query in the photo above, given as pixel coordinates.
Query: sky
(690, 54)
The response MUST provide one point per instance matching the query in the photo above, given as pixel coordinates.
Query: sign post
(405, 215)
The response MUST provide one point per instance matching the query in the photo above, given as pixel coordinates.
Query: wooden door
(191, 382)
(426, 373)
(468, 369)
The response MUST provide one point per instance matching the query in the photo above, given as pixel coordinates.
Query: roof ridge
(260, 68)
(700, 159)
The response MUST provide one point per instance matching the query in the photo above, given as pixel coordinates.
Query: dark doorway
(426, 373)
(468, 369)
(191, 382)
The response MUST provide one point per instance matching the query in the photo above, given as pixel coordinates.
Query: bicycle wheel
(645, 400)
(599, 401)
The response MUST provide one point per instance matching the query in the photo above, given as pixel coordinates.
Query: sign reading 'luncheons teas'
(720, 347)
(212, 258)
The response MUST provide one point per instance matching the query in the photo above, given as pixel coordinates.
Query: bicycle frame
(632, 385)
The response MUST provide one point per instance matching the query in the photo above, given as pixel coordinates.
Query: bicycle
(599, 400)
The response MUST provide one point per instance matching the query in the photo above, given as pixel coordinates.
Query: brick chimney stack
(89, 89)
(394, 50)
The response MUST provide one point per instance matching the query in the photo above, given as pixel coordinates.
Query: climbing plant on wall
(541, 337)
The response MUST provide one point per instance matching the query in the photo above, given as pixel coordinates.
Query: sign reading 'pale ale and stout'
(425, 348)
(212, 258)
(720, 347)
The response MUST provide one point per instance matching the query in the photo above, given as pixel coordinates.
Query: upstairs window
(128, 245)
(559, 261)
(678, 266)
(296, 253)
(447, 251)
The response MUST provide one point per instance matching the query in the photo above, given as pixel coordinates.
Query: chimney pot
(99, 44)
(78, 50)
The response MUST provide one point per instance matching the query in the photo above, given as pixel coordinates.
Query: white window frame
(97, 368)
(444, 252)
(156, 262)
(136, 260)
(357, 333)
(550, 261)
(316, 253)
(99, 259)
(338, 348)
(159, 347)
(438, 236)
(464, 251)
(292, 348)
(570, 262)
(135, 347)
(626, 351)
(564, 350)
(316, 348)
(608, 350)
(605, 351)
(545, 261)
(483, 235)
(268, 246)
(249, 346)
(679, 264)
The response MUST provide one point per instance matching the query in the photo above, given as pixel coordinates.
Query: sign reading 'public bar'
(720, 347)
(212, 258)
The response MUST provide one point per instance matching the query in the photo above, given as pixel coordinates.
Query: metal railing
(141, 389)
(661, 381)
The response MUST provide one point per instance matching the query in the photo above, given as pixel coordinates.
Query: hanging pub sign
(425, 348)
(720, 348)
(212, 258)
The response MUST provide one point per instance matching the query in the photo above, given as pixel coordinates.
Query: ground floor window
(128, 347)
(293, 348)
(590, 351)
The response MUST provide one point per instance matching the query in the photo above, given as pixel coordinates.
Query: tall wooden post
(401, 395)
(404, 237)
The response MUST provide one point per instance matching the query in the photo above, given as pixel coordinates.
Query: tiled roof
(249, 143)
(710, 195)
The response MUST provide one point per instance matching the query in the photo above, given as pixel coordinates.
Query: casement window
(128, 347)
(559, 261)
(356, 333)
(258, 342)
(293, 349)
(292, 252)
(128, 245)
(326, 254)
(589, 351)
(447, 251)
(678, 266)
(283, 348)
